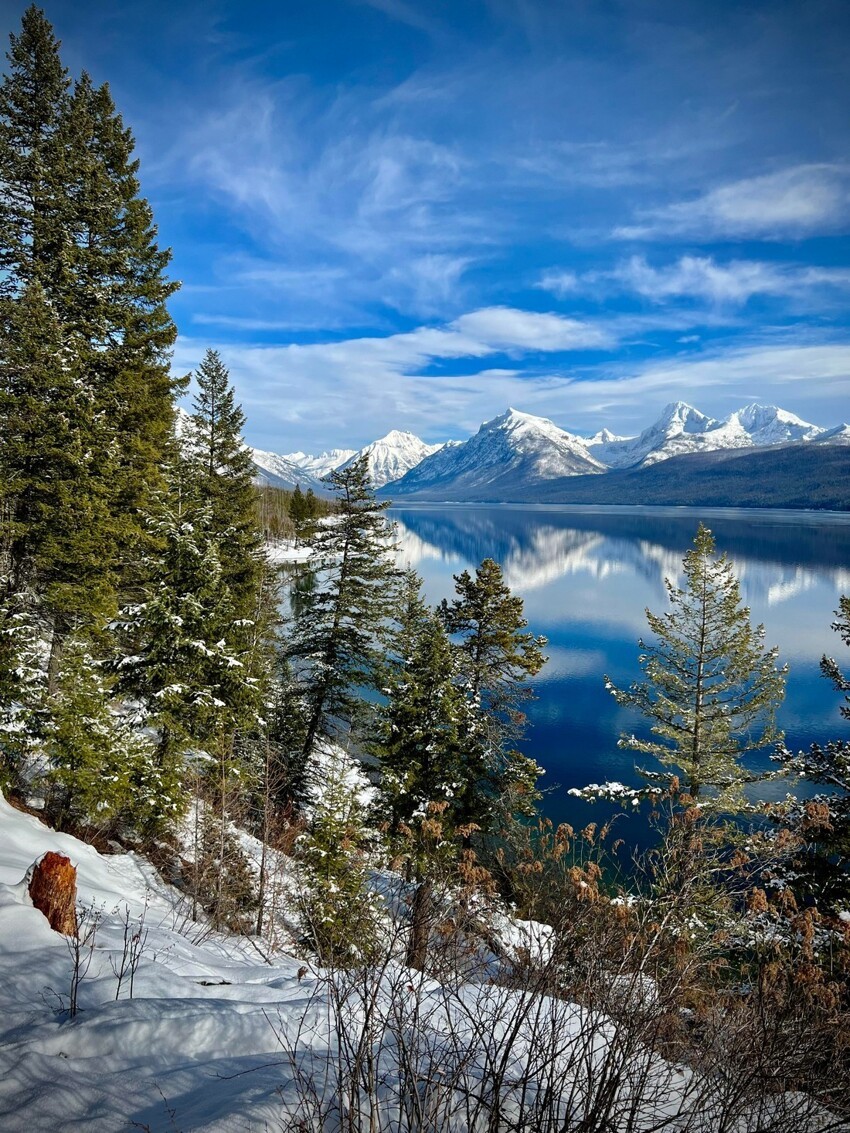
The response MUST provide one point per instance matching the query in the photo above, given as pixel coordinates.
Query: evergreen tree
(103, 772)
(34, 229)
(338, 913)
(711, 691)
(84, 336)
(220, 478)
(430, 739)
(22, 688)
(337, 632)
(498, 656)
(189, 664)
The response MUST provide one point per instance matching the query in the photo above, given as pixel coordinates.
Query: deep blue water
(587, 576)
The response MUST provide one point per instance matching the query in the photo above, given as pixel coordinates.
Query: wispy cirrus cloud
(797, 201)
(701, 278)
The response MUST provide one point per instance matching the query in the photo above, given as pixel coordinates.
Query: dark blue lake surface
(587, 576)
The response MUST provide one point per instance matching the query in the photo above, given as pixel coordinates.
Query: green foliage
(85, 388)
(22, 688)
(223, 883)
(103, 772)
(338, 914)
(219, 477)
(336, 638)
(498, 656)
(820, 865)
(429, 736)
(711, 691)
(188, 662)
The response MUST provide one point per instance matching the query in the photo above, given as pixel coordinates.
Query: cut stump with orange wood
(53, 890)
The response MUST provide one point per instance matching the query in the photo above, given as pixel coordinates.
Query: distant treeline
(282, 513)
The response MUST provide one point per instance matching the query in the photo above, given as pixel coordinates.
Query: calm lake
(587, 575)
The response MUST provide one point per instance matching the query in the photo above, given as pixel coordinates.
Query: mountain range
(521, 457)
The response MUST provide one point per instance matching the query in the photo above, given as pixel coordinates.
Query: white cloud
(701, 277)
(559, 283)
(798, 201)
(320, 395)
(505, 328)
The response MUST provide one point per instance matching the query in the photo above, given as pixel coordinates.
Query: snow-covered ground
(285, 551)
(217, 1036)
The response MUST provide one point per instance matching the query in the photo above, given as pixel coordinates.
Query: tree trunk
(421, 913)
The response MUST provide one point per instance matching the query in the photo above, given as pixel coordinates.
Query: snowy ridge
(276, 471)
(322, 464)
(682, 429)
(511, 449)
(517, 450)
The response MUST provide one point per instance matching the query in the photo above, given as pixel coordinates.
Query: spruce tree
(430, 739)
(188, 663)
(711, 690)
(34, 228)
(336, 637)
(82, 275)
(498, 655)
(102, 771)
(220, 478)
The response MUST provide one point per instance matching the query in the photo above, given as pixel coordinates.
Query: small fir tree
(338, 913)
(430, 740)
(711, 690)
(498, 656)
(102, 771)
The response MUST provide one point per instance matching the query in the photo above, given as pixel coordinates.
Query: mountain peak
(680, 412)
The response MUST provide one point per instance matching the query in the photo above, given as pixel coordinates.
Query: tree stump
(53, 891)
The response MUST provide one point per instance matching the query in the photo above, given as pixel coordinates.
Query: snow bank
(215, 1038)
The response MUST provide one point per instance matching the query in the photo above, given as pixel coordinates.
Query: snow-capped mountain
(682, 429)
(769, 425)
(275, 471)
(512, 449)
(516, 451)
(322, 464)
(392, 456)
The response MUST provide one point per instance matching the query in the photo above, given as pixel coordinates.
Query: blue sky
(414, 213)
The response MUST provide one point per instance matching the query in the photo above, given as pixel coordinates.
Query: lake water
(587, 575)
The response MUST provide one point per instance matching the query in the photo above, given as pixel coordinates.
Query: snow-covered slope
(392, 456)
(840, 435)
(512, 449)
(280, 472)
(214, 1034)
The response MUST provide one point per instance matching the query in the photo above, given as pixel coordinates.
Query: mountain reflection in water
(587, 576)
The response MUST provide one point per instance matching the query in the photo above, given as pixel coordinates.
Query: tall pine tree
(220, 478)
(336, 638)
(81, 271)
